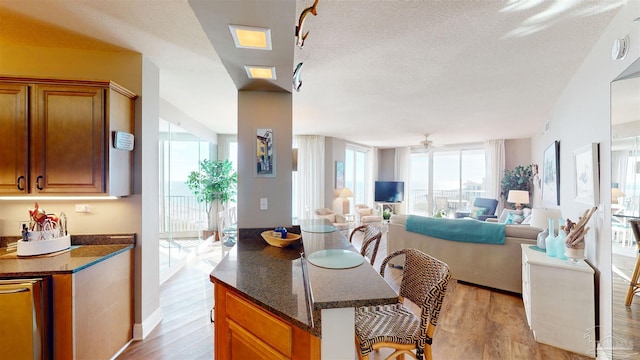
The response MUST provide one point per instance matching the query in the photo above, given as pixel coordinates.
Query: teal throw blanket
(466, 230)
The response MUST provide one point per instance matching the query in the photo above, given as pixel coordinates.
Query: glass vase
(550, 241)
(560, 246)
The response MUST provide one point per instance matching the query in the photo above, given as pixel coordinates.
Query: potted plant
(519, 178)
(214, 183)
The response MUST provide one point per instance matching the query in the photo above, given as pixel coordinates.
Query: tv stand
(390, 205)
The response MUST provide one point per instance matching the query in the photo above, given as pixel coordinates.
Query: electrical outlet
(264, 204)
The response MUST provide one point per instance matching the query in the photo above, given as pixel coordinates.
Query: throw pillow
(340, 219)
(514, 218)
(365, 212)
(477, 211)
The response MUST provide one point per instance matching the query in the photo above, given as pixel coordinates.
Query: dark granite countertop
(86, 250)
(278, 280)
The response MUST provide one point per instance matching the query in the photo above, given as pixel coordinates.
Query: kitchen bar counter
(85, 251)
(284, 284)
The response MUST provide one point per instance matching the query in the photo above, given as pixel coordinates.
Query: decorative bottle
(549, 242)
(560, 242)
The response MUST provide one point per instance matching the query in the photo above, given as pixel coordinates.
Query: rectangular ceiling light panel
(247, 37)
(261, 72)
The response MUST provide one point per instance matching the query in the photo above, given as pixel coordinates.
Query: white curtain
(308, 181)
(372, 176)
(402, 174)
(495, 165)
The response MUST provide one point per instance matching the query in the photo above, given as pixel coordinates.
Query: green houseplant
(519, 178)
(214, 183)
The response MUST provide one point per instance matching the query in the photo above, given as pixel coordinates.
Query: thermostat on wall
(123, 140)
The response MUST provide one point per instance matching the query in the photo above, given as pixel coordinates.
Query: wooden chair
(424, 282)
(634, 284)
(370, 241)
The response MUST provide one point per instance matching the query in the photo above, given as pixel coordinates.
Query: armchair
(489, 205)
(339, 221)
(366, 215)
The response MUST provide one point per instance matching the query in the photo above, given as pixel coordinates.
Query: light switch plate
(264, 204)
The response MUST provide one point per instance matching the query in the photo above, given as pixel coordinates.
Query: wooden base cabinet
(93, 309)
(60, 137)
(559, 301)
(244, 330)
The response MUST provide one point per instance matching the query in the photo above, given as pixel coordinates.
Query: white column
(338, 334)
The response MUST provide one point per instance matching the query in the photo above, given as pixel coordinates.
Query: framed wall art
(339, 175)
(551, 174)
(586, 172)
(265, 153)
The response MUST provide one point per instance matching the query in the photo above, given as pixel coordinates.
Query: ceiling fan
(426, 145)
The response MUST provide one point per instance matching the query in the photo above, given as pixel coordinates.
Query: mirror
(625, 205)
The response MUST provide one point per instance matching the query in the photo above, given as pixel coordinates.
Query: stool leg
(633, 285)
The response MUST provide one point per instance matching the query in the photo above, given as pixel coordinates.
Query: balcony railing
(182, 214)
(418, 199)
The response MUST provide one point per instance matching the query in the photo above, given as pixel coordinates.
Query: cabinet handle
(20, 181)
(38, 182)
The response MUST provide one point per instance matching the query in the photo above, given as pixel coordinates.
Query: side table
(559, 301)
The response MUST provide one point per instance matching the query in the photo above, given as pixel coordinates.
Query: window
(355, 173)
(445, 180)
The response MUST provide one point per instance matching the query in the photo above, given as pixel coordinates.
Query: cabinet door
(68, 140)
(14, 143)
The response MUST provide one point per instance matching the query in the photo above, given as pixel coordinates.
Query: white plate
(335, 259)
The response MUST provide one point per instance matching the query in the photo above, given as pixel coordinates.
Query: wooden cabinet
(559, 301)
(244, 330)
(92, 309)
(60, 137)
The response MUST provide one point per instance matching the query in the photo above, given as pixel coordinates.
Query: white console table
(559, 300)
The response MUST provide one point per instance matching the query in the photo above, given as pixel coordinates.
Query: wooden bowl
(279, 242)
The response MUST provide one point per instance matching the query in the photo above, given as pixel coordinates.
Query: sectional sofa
(496, 266)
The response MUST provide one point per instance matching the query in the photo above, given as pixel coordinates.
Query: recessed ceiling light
(249, 37)
(261, 72)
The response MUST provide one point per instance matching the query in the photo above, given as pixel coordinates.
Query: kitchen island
(271, 302)
(90, 296)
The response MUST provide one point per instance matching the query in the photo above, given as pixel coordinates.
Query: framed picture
(551, 174)
(586, 172)
(265, 153)
(339, 175)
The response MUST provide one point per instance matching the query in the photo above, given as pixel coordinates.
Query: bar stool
(634, 284)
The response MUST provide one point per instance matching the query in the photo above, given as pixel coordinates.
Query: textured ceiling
(378, 73)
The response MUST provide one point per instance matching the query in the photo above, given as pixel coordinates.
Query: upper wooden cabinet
(61, 137)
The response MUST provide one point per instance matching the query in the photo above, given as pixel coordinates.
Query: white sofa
(494, 266)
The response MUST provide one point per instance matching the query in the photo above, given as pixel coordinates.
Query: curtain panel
(308, 181)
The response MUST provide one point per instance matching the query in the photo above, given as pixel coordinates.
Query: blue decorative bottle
(560, 242)
(550, 241)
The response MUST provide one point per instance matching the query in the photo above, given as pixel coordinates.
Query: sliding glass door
(445, 181)
(183, 220)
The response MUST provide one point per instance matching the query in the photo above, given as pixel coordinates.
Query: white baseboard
(140, 331)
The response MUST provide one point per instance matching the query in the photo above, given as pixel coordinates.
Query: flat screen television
(389, 191)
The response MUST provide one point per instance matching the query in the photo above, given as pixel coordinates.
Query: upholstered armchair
(366, 215)
(482, 210)
(337, 220)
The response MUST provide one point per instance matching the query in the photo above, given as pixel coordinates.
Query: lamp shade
(518, 196)
(540, 217)
(346, 192)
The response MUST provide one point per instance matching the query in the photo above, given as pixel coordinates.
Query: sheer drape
(402, 174)
(495, 165)
(308, 181)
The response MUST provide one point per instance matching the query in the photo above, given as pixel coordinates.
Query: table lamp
(540, 219)
(518, 197)
(345, 194)
(615, 194)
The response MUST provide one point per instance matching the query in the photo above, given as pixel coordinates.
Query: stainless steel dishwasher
(25, 318)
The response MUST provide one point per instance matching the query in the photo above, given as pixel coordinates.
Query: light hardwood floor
(475, 323)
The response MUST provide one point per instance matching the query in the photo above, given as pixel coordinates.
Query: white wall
(580, 117)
